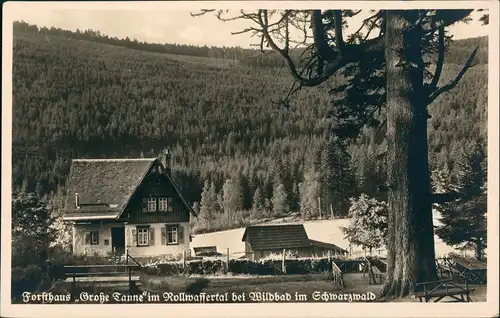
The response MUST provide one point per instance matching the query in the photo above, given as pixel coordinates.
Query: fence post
(227, 259)
(130, 281)
(73, 286)
(184, 259)
(283, 267)
(331, 212)
(329, 256)
(319, 208)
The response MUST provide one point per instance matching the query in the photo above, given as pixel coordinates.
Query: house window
(172, 235)
(151, 204)
(163, 204)
(94, 238)
(169, 204)
(143, 236)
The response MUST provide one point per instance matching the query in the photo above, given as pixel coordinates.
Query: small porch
(99, 237)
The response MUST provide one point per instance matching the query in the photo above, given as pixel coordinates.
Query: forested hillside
(83, 95)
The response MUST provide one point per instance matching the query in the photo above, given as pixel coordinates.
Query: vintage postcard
(250, 159)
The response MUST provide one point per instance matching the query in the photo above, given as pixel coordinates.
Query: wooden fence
(338, 278)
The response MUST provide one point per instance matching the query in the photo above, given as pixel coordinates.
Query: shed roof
(328, 246)
(270, 237)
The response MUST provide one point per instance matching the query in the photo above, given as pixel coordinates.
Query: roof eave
(244, 238)
(94, 217)
(326, 245)
(279, 247)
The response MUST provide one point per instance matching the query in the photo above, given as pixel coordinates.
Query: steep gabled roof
(105, 186)
(270, 237)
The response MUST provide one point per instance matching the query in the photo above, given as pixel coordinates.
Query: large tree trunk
(410, 241)
(479, 249)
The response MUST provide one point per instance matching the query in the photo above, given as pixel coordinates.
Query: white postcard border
(487, 309)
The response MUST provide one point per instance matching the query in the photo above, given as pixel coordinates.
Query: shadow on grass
(197, 286)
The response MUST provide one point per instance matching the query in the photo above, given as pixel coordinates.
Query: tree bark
(479, 249)
(410, 240)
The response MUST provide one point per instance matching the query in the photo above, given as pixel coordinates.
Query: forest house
(126, 205)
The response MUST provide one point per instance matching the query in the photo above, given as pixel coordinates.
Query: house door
(118, 240)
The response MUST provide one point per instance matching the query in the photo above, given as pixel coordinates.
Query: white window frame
(172, 229)
(94, 238)
(151, 207)
(143, 236)
(163, 204)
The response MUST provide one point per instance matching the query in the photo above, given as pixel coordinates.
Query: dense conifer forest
(236, 151)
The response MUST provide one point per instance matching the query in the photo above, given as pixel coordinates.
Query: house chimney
(167, 160)
(77, 202)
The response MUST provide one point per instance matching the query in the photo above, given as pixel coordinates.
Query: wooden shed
(262, 241)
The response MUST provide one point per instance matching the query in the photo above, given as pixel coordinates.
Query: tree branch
(202, 12)
(365, 21)
(440, 61)
(442, 18)
(333, 58)
(325, 52)
(339, 41)
(287, 34)
(444, 197)
(454, 82)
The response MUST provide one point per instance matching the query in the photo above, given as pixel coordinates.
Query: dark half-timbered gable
(126, 205)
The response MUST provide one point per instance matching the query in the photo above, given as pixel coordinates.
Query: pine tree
(220, 202)
(196, 207)
(268, 207)
(338, 177)
(295, 198)
(368, 223)
(24, 186)
(257, 204)
(463, 222)
(280, 202)
(39, 189)
(208, 206)
(244, 183)
(232, 197)
(309, 193)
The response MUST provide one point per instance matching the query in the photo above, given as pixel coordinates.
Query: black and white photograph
(287, 157)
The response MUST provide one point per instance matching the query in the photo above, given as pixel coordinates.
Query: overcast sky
(152, 22)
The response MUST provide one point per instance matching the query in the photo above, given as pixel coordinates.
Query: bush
(320, 265)
(243, 267)
(165, 269)
(298, 267)
(29, 278)
(253, 268)
(213, 267)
